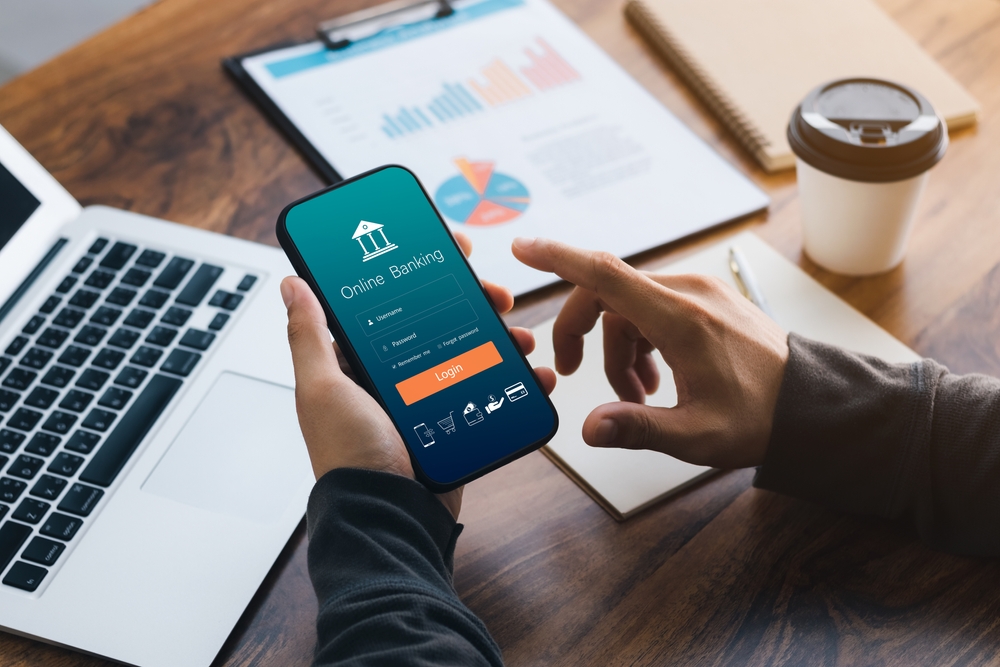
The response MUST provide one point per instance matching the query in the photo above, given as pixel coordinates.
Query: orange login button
(451, 372)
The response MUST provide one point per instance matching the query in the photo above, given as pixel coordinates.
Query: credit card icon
(516, 391)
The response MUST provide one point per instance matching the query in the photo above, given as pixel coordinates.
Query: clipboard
(514, 120)
(335, 33)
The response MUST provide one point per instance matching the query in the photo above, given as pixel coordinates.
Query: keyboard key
(60, 526)
(219, 299)
(232, 301)
(25, 467)
(4, 363)
(8, 399)
(81, 499)
(92, 379)
(24, 419)
(174, 273)
(3, 509)
(59, 422)
(65, 464)
(150, 258)
(124, 338)
(53, 337)
(175, 316)
(43, 551)
(99, 420)
(140, 318)
(198, 286)
(98, 246)
(136, 277)
(30, 511)
(58, 376)
(121, 296)
(36, 357)
(41, 398)
(84, 298)
(12, 536)
(77, 401)
(118, 256)
(50, 305)
(247, 282)
(74, 356)
(199, 340)
(10, 441)
(115, 398)
(11, 489)
(66, 284)
(16, 346)
(19, 379)
(25, 576)
(133, 377)
(69, 317)
(135, 423)
(42, 444)
(106, 316)
(100, 278)
(90, 335)
(108, 359)
(82, 265)
(48, 487)
(180, 362)
(161, 336)
(218, 321)
(83, 442)
(154, 299)
(33, 325)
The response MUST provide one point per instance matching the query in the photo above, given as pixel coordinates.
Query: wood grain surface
(142, 117)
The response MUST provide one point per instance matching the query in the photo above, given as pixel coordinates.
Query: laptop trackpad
(241, 453)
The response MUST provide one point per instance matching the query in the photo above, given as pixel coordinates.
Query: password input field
(424, 330)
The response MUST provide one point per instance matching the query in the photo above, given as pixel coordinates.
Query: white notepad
(624, 481)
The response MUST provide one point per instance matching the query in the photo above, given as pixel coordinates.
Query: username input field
(411, 304)
(424, 330)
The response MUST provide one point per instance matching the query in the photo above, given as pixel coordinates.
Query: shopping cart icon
(448, 423)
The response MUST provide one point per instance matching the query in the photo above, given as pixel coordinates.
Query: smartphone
(415, 324)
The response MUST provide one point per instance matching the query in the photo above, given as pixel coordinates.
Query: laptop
(151, 463)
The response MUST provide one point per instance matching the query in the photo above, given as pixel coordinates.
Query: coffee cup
(863, 149)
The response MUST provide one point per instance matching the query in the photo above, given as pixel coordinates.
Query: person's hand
(728, 358)
(342, 425)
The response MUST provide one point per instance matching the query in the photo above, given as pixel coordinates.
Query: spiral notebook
(751, 63)
(625, 482)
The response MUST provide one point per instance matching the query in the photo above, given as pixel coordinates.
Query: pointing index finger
(627, 291)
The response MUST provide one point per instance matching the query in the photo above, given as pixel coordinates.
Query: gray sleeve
(900, 441)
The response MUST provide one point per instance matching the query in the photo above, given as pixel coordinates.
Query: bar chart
(496, 84)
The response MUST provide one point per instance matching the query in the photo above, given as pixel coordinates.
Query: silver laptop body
(151, 465)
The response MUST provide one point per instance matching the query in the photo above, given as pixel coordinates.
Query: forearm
(899, 441)
(380, 558)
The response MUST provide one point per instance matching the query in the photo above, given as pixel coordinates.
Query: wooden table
(142, 117)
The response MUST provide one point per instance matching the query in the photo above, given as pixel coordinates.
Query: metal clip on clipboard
(341, 32)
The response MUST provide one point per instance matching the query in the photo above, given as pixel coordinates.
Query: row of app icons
(471, 413)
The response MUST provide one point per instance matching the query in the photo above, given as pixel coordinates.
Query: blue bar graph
(453, 102)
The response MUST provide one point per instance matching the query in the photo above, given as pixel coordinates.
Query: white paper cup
(863, 150)
(856, 228)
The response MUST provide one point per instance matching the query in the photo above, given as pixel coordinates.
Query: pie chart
(479, 196)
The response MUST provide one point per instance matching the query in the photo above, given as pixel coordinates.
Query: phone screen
(416, 319)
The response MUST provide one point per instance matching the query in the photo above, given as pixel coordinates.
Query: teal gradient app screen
(442, 362)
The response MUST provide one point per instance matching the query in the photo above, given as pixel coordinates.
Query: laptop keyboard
(84, 381)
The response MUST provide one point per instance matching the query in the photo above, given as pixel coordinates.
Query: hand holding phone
(446, 334)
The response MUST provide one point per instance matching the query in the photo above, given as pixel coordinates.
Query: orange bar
(451, 372)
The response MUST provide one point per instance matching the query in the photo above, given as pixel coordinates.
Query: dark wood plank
(142, 117)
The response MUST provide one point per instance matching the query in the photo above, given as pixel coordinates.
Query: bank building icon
(373, 244)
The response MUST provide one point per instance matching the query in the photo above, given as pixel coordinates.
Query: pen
(746, 280)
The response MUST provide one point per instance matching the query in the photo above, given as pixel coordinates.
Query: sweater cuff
(845, 427)
(358, 518)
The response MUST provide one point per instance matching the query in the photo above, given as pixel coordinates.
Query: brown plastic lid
(867, 130)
